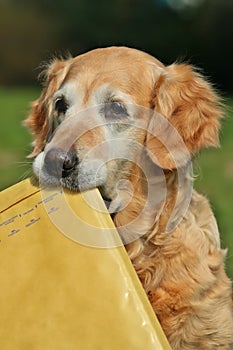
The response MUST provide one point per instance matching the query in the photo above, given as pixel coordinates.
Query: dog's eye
(115, 110)
(61, 105)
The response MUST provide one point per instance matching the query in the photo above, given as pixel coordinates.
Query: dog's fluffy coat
(181, 271)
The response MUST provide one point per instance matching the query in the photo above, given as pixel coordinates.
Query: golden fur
(181, 271)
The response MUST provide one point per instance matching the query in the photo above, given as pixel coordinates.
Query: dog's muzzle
(60, 163)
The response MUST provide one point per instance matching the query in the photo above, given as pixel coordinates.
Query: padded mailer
(66, 282)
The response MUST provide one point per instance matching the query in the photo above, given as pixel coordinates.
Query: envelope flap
(17, 193)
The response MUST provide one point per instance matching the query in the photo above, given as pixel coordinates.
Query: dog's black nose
(60, 163)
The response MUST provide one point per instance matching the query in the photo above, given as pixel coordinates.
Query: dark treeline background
(200, 31)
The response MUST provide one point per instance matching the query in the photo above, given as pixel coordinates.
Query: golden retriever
(129, 125)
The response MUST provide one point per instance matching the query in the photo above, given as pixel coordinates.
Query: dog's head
(99, 112)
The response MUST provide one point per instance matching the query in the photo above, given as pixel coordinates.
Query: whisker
(24, 162)
(21, 164)
(25, 175)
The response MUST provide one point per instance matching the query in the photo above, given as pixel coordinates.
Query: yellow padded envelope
(58, 294)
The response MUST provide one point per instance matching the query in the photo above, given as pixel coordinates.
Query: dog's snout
(60, 163)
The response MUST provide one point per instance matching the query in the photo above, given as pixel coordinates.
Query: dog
(124, 122)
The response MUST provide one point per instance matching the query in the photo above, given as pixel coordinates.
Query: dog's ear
(41, 109)
(189, 111)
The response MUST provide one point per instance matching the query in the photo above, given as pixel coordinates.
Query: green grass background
(213, 167)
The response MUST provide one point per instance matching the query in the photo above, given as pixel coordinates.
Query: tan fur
(182, 271)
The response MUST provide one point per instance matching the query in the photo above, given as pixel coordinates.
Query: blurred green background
(197, 31)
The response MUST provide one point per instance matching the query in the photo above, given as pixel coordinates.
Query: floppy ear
(38, 119)
(189, 107)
